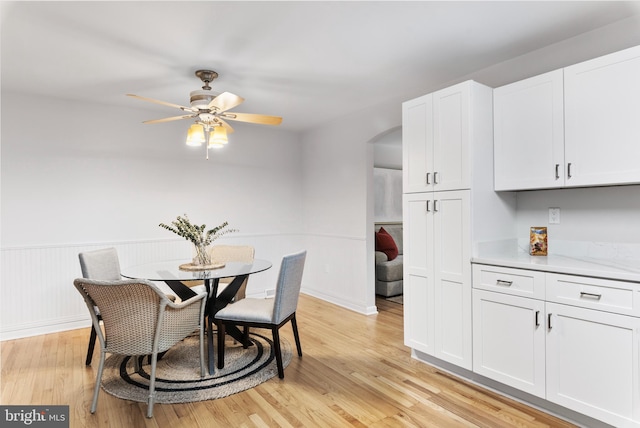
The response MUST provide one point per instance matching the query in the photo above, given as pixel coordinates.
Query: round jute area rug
(178, 372)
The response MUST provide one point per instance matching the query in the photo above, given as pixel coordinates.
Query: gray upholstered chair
(103, 265)
(270, 313)
(139, 320)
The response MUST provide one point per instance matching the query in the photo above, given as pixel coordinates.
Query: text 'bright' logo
(38, 416)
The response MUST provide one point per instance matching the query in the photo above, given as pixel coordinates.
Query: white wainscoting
(37, 295)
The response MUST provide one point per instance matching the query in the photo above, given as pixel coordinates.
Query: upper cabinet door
(417, 144)
(602, 120)
(451, 135)
(529, 133)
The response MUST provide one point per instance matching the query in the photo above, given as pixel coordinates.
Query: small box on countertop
(538, 241)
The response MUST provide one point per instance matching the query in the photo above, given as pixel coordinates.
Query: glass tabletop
(170, 270)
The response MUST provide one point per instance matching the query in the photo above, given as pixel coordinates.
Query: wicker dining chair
(270, 313)
(104, 265)
(139, 320)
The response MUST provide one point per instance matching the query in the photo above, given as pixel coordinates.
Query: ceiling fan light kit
(210, 113)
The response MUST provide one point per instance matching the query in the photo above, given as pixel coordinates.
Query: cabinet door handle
(435, 178)
(590, 295)
(428, 178)
(549, 321)
(537, 318)
(557, 171)
(428, 209)
(503, 282)
(569, 170)
(435, 206)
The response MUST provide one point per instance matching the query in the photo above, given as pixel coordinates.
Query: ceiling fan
(210, 112)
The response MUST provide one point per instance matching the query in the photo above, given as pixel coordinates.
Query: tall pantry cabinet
(448, 205)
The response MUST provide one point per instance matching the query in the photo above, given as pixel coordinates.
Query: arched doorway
(385, 156)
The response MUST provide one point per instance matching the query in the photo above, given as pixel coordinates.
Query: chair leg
(152, 385)
(221, 338)
(92, 345)
(96, 389)
(294, 324)
(202, 363)
(210, 343)
(245, 337)
(278, 351)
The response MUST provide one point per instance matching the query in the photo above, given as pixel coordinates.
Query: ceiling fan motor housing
(201, 98)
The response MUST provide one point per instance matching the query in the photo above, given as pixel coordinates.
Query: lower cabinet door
(418, 313)
(593, 363)
(509, 340)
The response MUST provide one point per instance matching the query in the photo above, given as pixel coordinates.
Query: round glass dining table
(170, 272)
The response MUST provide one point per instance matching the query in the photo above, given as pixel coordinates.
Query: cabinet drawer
(517, 282)
(600, 294)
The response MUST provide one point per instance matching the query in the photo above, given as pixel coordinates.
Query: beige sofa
(389, 272)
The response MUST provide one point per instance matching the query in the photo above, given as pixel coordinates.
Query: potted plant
(200, 238)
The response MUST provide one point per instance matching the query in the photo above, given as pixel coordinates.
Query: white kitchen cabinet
(592, 363)
(509, 340)
(436, 134)
(447, 165)
(417, 144)
(452, 277)
(437, 275)
(577, 346)
(602, 130)
(529, 133)
(418, 272)
(573, 127)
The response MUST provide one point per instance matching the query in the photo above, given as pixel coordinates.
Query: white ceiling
(306, 61)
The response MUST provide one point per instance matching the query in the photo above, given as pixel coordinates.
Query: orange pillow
(386, 244)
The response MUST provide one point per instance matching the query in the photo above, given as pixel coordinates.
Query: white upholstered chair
(139, 320)
(233, 253)
(224, 254)
(270, 313)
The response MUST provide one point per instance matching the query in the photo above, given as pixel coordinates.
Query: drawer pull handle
(503, 282)
(537, 318)
(549, 321)
(428, 209)
(428, 178)
(557, 171)
(435, 177)
(591, 295)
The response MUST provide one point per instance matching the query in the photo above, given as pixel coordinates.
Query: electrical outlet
(554, 215)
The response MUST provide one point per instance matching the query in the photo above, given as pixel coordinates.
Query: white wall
(600, 214)
(338, 205)
(81, 177)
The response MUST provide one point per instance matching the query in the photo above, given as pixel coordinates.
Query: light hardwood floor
(355, 372)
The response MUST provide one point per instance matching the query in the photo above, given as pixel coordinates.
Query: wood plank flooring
(355, 372)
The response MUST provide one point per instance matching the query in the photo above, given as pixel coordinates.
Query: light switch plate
(554, 215)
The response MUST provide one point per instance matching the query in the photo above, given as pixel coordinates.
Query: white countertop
(602, 260)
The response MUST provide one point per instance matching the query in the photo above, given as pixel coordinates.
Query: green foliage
(182, 226)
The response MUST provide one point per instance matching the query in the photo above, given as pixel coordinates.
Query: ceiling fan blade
(225, 101)
(253, 118)
(164, 103)
(169, 119)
